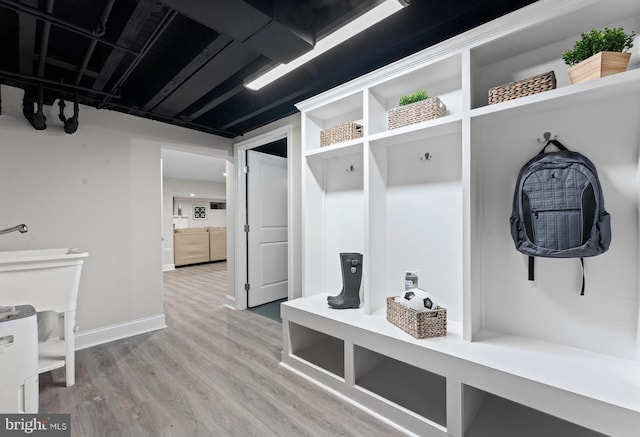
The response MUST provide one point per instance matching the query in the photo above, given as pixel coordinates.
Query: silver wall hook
(427, 157)
(350, 169)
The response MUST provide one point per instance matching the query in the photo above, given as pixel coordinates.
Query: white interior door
(267, 237)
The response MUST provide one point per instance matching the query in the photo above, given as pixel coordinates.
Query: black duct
(281, 30)
(71, 123)
(290, 32)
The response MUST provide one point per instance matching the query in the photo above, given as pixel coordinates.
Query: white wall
(98, 190)
(182, 188)
(294, 158)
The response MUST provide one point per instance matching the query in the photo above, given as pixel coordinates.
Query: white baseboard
(230, 302)
(107, 334)
(168, 267)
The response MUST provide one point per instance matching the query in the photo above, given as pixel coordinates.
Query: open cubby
(335, 217)
(342, 110)
(422, 195)
(497, 416)
(441, 78)
(317, 348)
(410, 387)
(537, 49)
(551, 308)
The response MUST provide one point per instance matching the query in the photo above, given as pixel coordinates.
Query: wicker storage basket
(415, 112)
(419, 324)
(521, 88)
(340, 133)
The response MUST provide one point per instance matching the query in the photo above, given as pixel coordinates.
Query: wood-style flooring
(212, 372)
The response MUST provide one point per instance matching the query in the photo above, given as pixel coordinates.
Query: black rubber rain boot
(351, 265)
(343, 264)
(343, 257)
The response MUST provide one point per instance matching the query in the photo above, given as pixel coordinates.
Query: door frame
(240, 243)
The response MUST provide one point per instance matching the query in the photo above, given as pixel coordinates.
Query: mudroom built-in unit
(520, 357)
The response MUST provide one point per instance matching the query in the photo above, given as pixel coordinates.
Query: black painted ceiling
(185, 61)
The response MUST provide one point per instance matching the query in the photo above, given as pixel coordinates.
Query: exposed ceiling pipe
(44, 46)
(100, 30)
(48, 18)
(158, 31)
(53, 85)
(37, 118)
(27, 40)
(71, 123)
(172, 120)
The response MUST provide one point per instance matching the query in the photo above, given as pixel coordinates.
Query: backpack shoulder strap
(556, 143)
(582, 264)
(531, 268)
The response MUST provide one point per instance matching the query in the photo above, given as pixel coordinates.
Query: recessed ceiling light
(364, 21)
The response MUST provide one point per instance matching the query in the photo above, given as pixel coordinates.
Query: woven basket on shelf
(524, 87)
(340, 133)
(418, 324)
(416, 112)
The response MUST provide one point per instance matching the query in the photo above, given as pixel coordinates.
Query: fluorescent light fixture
(364, 21)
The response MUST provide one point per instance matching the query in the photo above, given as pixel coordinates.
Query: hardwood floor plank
(212, 372)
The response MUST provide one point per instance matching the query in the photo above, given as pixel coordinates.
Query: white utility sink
(48, 279)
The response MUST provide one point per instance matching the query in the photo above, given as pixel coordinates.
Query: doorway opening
(263, 221)
(267, 220)
(194, 215)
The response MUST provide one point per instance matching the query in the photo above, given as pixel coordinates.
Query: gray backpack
(558, 208)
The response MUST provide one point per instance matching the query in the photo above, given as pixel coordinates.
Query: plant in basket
(414, 108)
(599, 53)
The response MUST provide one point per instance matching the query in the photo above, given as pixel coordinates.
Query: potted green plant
(414, 108)
(599, 53)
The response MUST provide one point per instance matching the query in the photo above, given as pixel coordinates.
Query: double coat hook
(427, 157)
(547, 138)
